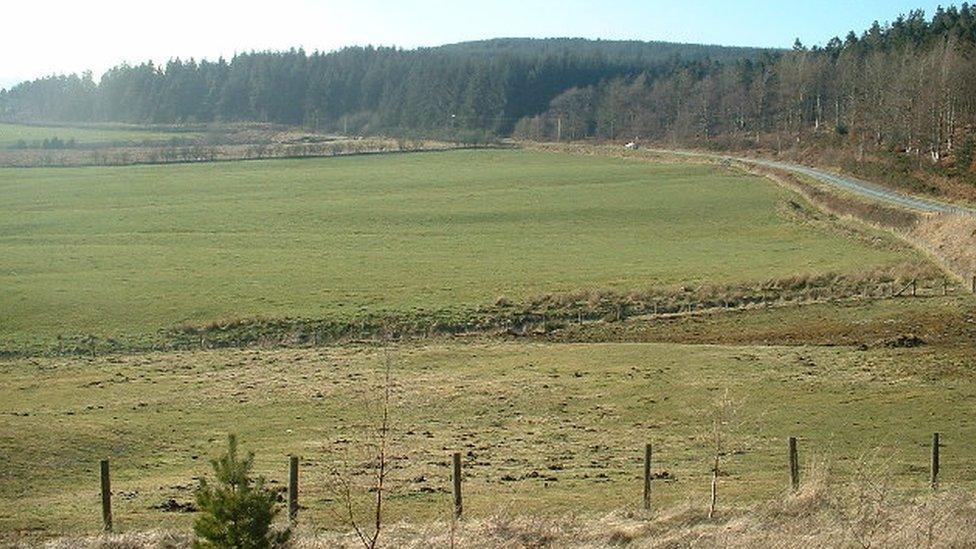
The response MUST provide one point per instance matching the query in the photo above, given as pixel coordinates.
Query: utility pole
(559, 129)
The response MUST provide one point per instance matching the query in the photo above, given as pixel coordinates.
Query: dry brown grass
(611, 305)
(950, 238)
(873, 213)
(861, 515)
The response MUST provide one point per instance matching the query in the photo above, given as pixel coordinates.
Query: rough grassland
(545, 428)
(122, 251)
(10, 134)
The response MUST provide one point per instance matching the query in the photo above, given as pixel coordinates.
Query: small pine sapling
(236, 511)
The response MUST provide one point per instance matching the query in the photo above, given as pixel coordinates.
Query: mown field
(125, 252)
(13, 135)
(545, 428)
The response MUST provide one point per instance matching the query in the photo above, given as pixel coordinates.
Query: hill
(636, 50)
(486, 85)
(893, 103)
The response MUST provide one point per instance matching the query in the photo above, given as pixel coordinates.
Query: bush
(236, 511)
(54, 143)
(473, 137)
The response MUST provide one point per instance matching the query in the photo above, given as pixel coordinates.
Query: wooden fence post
(293, 489)
(794, 466)
(713, 500)
(647, 477)
(945, 286)
(457, 485)
(106, 497)
(935, 461)
(914, 287)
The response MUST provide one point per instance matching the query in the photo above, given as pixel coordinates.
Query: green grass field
(545, 428)
(551, 424)
(11, 134)
(126, 251)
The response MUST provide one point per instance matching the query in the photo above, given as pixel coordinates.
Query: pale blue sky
(40, 37)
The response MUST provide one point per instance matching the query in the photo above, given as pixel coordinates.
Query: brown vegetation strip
(823, 514)
(938, 322)
(126, 156)
(539, 316)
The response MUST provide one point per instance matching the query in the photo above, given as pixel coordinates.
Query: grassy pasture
(120, 252)
(545, 428)
(11, 134)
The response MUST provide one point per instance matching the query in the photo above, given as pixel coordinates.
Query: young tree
(236, 510)
(377, 445)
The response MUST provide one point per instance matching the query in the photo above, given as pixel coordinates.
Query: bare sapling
(722, 421)
(368, 524)
(867, 513)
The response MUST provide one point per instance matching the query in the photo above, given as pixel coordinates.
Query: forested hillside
(907, 88)
(486, 85)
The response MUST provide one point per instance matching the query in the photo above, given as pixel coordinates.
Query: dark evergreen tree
(236, 511)
(485, 85)
(906, 86)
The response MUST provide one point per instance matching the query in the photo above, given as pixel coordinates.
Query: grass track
(123, 251)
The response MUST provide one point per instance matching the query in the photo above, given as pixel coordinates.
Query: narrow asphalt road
(856, 186)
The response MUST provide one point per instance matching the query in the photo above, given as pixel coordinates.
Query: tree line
(486, 85)
(907, 87)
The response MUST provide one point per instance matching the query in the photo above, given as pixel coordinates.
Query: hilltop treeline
(908, 87)
(905, 87)
(486, 85)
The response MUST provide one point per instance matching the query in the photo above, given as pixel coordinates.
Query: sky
(42, 37)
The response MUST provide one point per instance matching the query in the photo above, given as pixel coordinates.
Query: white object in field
(631, 145)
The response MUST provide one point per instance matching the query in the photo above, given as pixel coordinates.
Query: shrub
(236, 511)
(472, 137)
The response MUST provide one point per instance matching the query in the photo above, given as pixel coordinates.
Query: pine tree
(237, 510)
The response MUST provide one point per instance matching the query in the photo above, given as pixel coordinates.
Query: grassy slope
(10, 134)
(579, 413)
(115, 251)
(936, 320)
